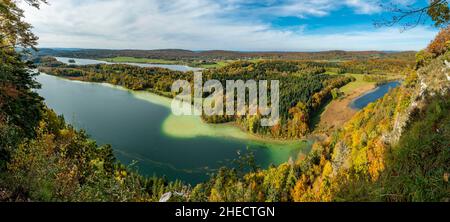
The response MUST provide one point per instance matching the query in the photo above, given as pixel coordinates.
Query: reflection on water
(374, 95)
(132, 122)
(69, 61)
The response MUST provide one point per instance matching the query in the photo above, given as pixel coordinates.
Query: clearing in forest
(338, 112)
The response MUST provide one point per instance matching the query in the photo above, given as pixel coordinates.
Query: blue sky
(246, 25)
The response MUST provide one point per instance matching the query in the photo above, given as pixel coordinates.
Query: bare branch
(410, 17)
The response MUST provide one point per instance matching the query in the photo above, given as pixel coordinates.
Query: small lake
(140, 127)
(373, 95)
(181, 68)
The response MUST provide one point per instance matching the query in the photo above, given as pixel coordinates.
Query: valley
(151, 156)
(359, 93)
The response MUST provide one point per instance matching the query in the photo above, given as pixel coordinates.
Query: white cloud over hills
(208, 24)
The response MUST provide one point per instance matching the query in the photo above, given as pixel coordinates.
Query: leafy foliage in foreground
(420, 164)
(62, 164)
(357, 163)
(396, 149)
(43, 159)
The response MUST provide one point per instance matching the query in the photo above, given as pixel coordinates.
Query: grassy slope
(338, 112)
(359, 83)
(416, 166)
(419, 166)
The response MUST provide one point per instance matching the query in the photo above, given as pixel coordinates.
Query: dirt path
(339, 112)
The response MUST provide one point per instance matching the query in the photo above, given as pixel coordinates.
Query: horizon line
(225, 50)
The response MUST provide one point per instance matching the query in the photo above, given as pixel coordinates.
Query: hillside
(396, 149)
(187, 55)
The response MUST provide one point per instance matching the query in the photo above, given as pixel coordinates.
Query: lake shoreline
(251, 136)
(339, 111)
(335, 115)
(133, 124)
(261, 139)
(81, 62)
(382, 88)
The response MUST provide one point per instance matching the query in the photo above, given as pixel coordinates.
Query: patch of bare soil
(338, 112)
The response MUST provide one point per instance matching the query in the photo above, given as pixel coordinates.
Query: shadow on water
(133, 127)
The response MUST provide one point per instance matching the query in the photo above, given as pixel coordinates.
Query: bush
(419, 165)
(440, 44)
(423, 58)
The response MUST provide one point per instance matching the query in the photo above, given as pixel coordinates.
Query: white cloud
(364, 6)
(202, 24)
(305, 8)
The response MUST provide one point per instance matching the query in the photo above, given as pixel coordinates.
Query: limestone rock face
(434, 79)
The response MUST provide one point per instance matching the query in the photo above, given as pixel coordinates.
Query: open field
(338, 111)
(219, 55)
(140, 60)
(218, 64)
(208, 65)
(360, 83)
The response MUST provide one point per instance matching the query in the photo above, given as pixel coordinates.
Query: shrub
(423, 58)
(440, 44)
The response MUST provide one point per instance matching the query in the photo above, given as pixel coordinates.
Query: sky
(241, 25)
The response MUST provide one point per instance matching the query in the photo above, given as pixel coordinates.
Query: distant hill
(179, 54)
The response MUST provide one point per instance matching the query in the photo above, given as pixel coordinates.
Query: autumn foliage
(440, 44)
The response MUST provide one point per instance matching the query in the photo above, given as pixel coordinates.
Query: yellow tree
(298, 124)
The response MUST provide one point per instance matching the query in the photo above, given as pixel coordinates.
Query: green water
(141, 128)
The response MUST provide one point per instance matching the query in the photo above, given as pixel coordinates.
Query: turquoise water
(132, 122)
(374, 95)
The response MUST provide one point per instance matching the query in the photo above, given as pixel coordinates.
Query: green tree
(19, 107)
(14, 31)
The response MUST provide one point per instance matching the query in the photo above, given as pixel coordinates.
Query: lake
(373, 95)
(141, 127)
(181, 68)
